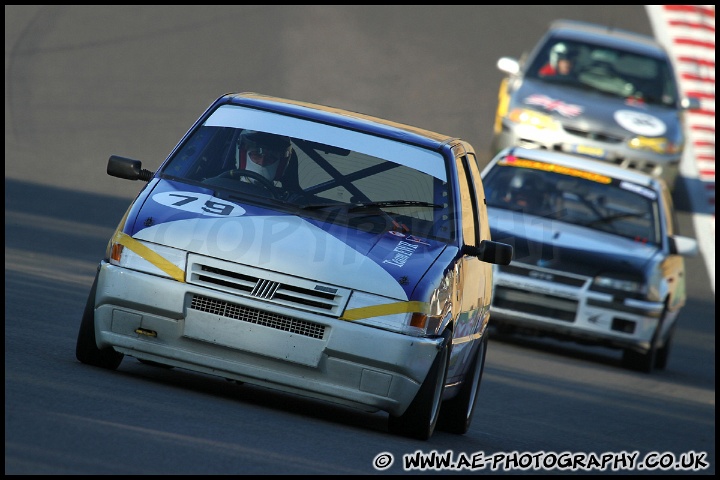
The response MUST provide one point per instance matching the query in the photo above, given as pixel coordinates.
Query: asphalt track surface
(85, 82)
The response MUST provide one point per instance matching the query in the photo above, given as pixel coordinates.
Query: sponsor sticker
(554, 105)
(401, 254)
(640, 123)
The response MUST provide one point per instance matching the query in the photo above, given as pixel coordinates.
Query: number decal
(199, 203)
(187, 199)
(224, 209)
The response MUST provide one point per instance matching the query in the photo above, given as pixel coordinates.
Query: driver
(263, 153)
(560, 62)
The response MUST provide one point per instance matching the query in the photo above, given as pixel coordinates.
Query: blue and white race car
(309, 249)
(598, 258)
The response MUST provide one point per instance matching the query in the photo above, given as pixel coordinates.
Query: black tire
(421, 417)
(641, 362)
(456, 414)
(645, 361)
(663, 353)
(86, 349)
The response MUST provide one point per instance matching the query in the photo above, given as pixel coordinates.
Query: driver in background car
(529, 192)
(560, 62)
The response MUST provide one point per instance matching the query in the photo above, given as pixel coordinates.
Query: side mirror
(508, 65)
(491, 252)
(685, 246)
(128, 169)
(690, 103)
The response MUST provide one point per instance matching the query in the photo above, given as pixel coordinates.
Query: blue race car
(313, 250)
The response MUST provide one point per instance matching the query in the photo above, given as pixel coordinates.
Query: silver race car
(590, 90)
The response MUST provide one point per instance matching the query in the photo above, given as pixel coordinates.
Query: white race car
(597, 255)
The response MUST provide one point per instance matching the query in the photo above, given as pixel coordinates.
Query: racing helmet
(561, 51)
(264, 153)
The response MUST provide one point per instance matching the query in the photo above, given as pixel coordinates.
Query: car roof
(606, 35)
(344, 118)
(582, 163)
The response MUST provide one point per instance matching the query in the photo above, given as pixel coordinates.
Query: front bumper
(566, 308)
(210, 331)
(612, 150)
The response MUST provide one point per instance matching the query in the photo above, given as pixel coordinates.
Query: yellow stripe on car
(503, 102)
(149, 255)
(385, 309)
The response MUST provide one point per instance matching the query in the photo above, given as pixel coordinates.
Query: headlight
(617, 284)
(409, 318)
(147, 257)
(659, 145)
(532, 118)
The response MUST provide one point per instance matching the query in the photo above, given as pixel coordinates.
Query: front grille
(549, 275)
(544, 305)
(266, 285)
(257, 317)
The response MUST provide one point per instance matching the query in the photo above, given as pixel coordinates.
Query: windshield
(574, 196)
(318, 171)
(607, 70)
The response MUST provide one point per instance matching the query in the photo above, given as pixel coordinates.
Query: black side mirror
(490, 252)
(128, 169)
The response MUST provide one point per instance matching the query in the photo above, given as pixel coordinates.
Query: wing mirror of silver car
(690, 103)
(508, 65)
(685, 246)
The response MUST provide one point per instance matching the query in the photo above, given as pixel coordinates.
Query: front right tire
(86, 349)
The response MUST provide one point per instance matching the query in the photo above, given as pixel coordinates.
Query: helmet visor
(267, 156)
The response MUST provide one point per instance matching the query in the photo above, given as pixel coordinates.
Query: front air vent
(257, 317)
(265, 285)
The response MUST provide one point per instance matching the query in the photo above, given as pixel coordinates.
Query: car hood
(193, 219)
(590, 110)
(566, 247)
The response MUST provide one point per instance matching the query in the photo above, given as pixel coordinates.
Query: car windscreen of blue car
(332, 174)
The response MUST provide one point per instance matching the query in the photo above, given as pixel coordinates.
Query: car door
(673, 265)
(473, 277)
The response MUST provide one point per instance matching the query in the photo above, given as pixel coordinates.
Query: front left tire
(456, 414)
(421, 417)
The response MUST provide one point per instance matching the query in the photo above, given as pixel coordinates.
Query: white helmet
(263, 153)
